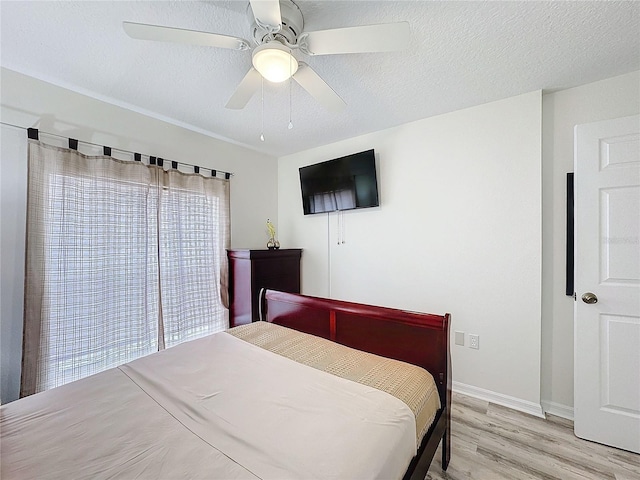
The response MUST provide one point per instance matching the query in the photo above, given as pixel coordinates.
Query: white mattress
(217, 407)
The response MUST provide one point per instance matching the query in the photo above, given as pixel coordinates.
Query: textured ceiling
(462, 54)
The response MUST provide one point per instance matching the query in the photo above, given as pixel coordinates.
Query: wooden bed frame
(417, 338)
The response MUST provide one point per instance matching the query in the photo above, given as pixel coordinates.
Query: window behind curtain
(122, 259)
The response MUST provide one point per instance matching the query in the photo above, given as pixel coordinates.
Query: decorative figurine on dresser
(273, 243)
(252, 270)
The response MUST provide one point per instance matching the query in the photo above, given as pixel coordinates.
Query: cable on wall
(341, 228)
(329, 252)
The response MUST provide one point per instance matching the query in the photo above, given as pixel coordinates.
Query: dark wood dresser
(252, 270)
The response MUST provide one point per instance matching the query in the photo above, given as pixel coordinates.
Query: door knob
(589, 298)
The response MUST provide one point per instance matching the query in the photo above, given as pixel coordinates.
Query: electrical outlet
(459, 338)
(474, 341)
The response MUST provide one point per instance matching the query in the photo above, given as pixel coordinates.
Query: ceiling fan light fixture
(274, 62)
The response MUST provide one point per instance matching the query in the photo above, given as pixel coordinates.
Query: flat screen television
(344, 183)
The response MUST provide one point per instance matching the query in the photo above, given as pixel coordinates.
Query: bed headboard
(417, 338)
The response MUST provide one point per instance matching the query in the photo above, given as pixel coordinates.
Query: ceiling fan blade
(248, 86)
(267, 14)
(159, 33)
(386, 37)
(318, 88)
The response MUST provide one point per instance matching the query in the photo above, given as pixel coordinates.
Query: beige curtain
(122, 259)
(194, 236)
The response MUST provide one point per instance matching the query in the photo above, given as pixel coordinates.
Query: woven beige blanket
(409, 383)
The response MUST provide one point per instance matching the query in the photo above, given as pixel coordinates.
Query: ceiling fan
(277, 28)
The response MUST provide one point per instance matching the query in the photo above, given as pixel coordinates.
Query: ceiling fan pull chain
(290, 80)
(262, 115)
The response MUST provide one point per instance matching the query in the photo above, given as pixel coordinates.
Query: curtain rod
(137, 156)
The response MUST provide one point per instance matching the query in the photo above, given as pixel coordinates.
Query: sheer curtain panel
(101, 236)
(193, 227)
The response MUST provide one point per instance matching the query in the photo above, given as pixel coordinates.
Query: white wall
(607, 99)
(13, 195)
(26, 101)
(458, 230)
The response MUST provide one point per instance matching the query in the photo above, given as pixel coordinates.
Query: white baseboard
(557, 409)
(514, 403)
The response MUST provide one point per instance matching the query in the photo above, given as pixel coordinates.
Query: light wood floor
(493, 442)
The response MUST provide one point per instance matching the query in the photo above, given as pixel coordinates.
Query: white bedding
(217, 407)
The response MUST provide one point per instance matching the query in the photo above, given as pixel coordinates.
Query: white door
(607, 282)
